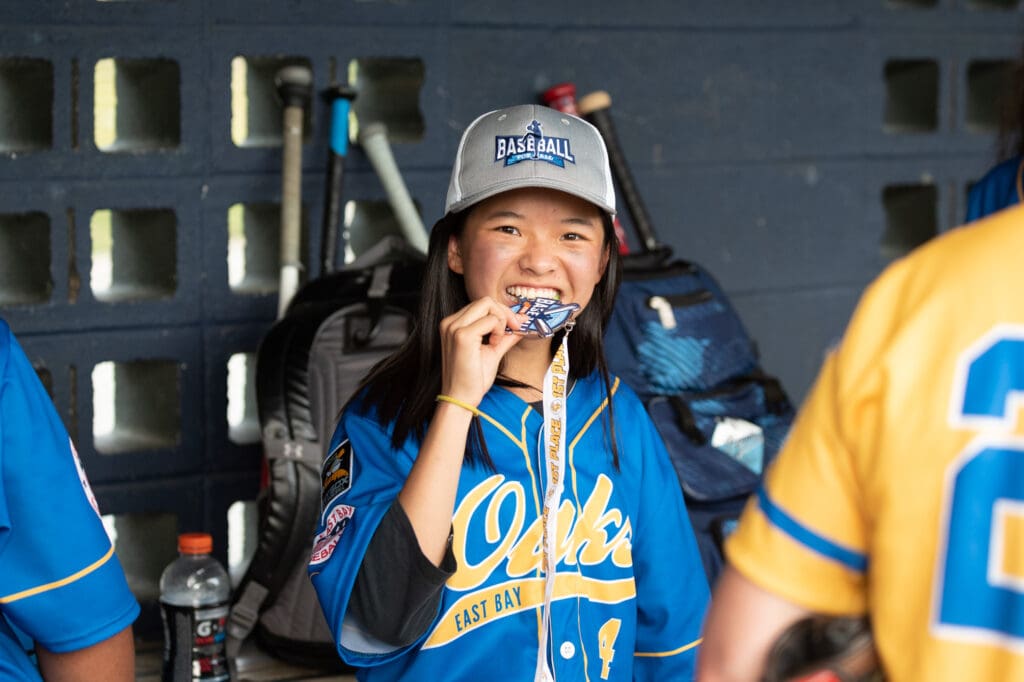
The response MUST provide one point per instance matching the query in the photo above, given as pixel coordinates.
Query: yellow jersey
(900, 490)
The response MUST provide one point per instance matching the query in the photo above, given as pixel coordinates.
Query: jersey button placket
(568, 650)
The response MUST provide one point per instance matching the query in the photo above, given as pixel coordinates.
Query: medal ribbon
(555, 383)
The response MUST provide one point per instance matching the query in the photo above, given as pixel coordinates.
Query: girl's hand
(473, 342)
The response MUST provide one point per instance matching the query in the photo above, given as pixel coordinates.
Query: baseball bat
(294, 86)
(373, 138)
(563, 98)
(340, 98)
(596, 108)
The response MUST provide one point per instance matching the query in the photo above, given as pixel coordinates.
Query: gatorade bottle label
(194, 643)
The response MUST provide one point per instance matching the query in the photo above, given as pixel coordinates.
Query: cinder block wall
(792, 147)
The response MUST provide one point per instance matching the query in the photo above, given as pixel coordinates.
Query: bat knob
(372, 130)
(595, 101)
(561, 97)
(294, 85)
(339, 92)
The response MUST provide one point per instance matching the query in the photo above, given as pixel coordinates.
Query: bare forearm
(112, 660)
(473, 343)
(428, 496)
(741, 626)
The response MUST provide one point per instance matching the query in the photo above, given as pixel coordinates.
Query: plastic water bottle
(195, 596)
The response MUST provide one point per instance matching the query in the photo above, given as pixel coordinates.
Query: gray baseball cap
(530, 146)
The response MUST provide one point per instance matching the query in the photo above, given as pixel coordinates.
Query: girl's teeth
(531, 292)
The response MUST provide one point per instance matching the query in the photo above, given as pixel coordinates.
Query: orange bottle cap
(195, 543)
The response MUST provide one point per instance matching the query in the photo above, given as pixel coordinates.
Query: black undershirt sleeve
(398, 589)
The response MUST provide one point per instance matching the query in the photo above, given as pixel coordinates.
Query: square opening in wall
(26, 105)
(910, 218)
(389, 93)
(136, 406)
(254, 247)
(365, 224)
(45, 378)
(134, 254)
(912, 96)
(256, 107)
(243, 536)
(912, 4)
(243, 418)
(988, 83)
(994, 4)
(25, 258)
(145, 543)
(137, 105)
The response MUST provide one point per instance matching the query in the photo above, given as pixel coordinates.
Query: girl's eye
(573, 236)
(508, 229)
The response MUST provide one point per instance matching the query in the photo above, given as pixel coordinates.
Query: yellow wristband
(442, 398)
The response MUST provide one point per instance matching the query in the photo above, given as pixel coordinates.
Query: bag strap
(292, 453)
(775, 397)
(687, 422)
(242, 619)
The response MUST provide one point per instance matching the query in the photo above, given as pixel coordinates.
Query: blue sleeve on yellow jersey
(60, 581)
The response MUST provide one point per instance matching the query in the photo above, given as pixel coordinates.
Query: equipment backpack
(676, 340)
(307, 367)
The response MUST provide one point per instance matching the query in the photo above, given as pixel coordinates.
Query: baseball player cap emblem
(533, 146)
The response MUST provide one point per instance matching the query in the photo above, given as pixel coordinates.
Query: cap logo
(533, 146)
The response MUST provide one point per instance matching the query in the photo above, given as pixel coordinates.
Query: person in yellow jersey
(899, 494)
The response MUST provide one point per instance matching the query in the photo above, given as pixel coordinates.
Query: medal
(546, 315)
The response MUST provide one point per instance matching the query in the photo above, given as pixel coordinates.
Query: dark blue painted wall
(755, 132)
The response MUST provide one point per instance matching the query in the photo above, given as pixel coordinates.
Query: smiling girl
(506, 508)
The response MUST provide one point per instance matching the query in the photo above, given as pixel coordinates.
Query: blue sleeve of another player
(995, 191)
(60, 581)
(362, 476)
(672, 590)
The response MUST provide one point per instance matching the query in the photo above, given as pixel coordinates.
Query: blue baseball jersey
(61, 584)
(1000, 188)
(629, 593)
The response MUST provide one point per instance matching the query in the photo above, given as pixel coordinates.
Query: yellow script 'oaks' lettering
(586, 540)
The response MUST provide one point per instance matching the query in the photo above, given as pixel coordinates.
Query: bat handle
(294, 85)
(373, 138)
(340, 98)
(595, 107)
(562, 97)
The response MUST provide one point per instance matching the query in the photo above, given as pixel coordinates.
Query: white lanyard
(555, 384)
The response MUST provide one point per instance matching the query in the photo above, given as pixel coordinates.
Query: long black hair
(403, 387)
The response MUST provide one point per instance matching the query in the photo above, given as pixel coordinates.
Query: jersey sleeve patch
(852, 559)
(334, 525)
(336, 474)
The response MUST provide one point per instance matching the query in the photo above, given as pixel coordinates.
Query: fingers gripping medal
(546, 315)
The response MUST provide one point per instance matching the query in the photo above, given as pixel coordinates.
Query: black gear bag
(307, 367)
